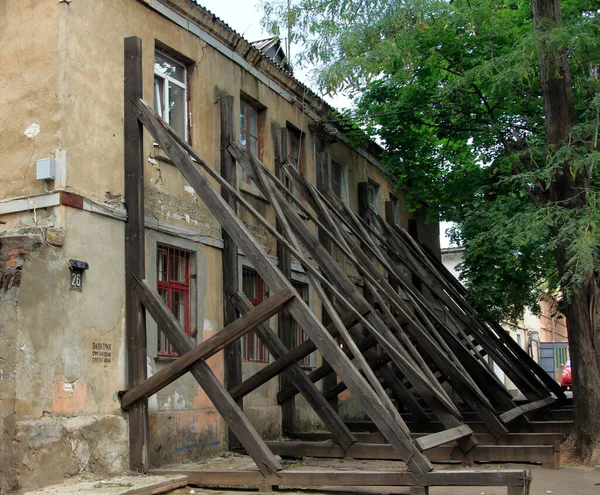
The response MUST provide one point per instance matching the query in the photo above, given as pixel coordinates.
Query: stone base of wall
(39, 452)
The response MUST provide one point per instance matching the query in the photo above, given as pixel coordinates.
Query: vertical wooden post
(233, 352)
(135, 253)
(288, 407)
(330, 380)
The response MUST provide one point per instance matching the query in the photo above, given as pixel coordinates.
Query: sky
(244, 17)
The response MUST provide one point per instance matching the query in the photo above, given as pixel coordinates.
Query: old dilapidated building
(63, 214)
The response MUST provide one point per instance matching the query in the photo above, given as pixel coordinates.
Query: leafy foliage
(453, 91)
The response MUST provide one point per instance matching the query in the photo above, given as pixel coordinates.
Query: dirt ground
(566, 481)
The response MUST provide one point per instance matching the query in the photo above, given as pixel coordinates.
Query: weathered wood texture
(208, 348)
(520, 410)
(205, 377)
(229, 263)
(340, 432)
(436, 439)
(135, 253)
(371, 402)
(480, 453)
(298, 477)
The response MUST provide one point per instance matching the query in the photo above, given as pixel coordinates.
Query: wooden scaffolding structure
(419, 337)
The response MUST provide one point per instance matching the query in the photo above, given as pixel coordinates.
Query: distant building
(544, 337)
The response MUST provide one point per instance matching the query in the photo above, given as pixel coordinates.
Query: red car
(566, 380)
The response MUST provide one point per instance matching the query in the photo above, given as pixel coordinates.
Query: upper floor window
(295, 151)
(395, 210)
(374, 191)
(255, 290)
(339, 180)
(295, 154)
(173, 266)
(170, 92)
(250, 139)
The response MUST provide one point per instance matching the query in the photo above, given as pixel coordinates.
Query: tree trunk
(569, 191)
(582, 311)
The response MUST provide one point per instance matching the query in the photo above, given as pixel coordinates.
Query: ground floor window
(255, 289)
(173, 284)
(299, 337)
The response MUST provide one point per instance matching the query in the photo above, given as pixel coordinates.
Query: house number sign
(77, 268)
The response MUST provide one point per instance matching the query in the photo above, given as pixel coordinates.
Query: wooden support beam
(229, 258)
(483, 438)
(208, 348)
(377, 363)
(388, 423)
(273, 369)
(556, 427)
(228, 409)
(340, 432)
(436, 439)
(285, 322)
(135, 253)
(356, 478)
(322, 170)
(480, 453)
(508, 416)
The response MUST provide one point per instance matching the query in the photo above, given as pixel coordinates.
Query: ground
(566, 481)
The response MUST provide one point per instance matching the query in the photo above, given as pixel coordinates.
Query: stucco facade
(62, 352)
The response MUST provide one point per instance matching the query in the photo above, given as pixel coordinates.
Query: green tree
(490, 110)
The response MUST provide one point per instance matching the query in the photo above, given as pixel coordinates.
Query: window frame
(172, 287)
(246, 102)
(344, 194)
(163, 109)
(395, 209)
(262, 354)
(298, 162)
(374, 199)
(299, 336)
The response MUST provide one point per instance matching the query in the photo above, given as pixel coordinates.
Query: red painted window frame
(171, 287)
(299, 335)
(262, 355)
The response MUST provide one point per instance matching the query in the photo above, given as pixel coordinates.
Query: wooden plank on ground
(356, 478)
(436, 439)
(508, 416)
(159, 488)
(216, 392)
(135, 253)
(208, 348)
(480, 453)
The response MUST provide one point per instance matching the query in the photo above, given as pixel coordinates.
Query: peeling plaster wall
(31, 91)
(60, 411)
(62, 82)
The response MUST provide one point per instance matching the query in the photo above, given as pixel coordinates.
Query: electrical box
(45, 169)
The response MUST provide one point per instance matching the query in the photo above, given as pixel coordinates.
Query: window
(173, 280)
(255, 289)
(298, 334)
(395, 210)
(249, 132)
(339, 180)
(295, 155)
(170, 92)
(374, 191)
